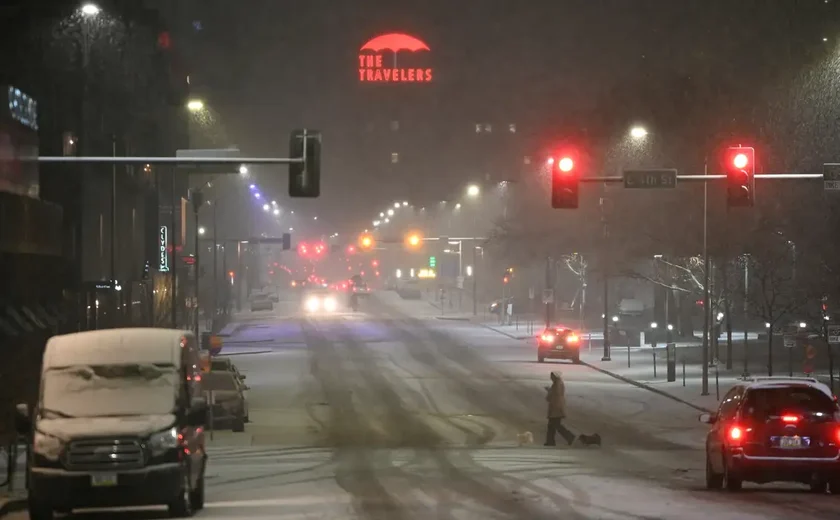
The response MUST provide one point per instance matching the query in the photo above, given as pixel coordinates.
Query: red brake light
(736, 433)
(790, 418)
(547, 337)
(572, 338)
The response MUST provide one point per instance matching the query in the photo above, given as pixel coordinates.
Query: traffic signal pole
(706, 311)
(548, 285)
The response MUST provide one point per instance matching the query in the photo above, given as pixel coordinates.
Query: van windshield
(109, 390)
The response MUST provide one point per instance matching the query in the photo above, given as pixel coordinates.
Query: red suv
(775, 429)
(558, 343)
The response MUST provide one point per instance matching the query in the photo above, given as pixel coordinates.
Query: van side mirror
(23, 419)
(708, 418)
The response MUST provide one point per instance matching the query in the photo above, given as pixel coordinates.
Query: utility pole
(548, 265)
(114, 221)
(197, 198)
(746, 314)
(215, 276)
(606, 276)
(706, 311)
(173, 268)
(475, 279)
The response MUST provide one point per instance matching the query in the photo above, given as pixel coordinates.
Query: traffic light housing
(565, 182)
(287, 241)
(305, 176)
(739, 164)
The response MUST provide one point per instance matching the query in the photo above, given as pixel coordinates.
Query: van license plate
(103, 479)
(790, 442)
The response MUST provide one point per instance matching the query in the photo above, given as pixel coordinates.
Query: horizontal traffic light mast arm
(428, 239)
(716, 177)
(168, 160)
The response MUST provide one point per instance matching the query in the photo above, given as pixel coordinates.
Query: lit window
(395, 157)
(512, 128)
(478, 128)
(527, 159)
(488, 128)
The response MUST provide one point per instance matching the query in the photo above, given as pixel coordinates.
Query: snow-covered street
(391, 413)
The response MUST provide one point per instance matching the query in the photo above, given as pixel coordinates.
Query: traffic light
(508, 275)
(287, 241)
(305, 177)
(413, 240)
(432, 262)
(739, 163)
(351, 250)
(303, 249)
(366, 242)
(564, 183)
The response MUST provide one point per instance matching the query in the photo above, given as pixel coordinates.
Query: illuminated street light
(473, 190)
(381, 214)
(390, 213)
(458, 206)
(276, 211)
(253, 186)
(201, 231)
(638, 132)
(376, 223)
(273, 202)
(291, 229)
(256, 195)
(405, 203)
(90, 9)
(243, 170)
(266, 207)
(314, 218)
(193, 105)
(387, 220)
(396, 204)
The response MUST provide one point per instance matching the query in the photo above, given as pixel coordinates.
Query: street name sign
(650, 179)
(831, 176)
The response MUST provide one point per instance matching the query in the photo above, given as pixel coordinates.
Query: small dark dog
(590, 440)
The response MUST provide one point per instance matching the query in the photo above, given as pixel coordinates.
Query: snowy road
(392, 414)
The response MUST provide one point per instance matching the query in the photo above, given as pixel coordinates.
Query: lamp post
(197, 199)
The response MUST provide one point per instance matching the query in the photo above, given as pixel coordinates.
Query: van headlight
(313, 304)
(330, 305)
(161, 442)
(47, 446)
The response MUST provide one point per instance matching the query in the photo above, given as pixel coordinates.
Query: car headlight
(330, 304)
(160, 442)
(47, 446)
(313, 304)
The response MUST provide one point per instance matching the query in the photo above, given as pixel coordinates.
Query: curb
(503, 333)
(13, 505)
(453, 318)
(247, 342)
(646, 387)
(246, 353)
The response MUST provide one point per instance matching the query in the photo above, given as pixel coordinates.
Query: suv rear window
(762, 403)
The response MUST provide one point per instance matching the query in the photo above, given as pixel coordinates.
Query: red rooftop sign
(372, 63)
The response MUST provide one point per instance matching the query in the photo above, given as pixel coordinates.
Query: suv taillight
(735, 434)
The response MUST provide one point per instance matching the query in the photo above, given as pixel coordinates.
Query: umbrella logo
(371, 63)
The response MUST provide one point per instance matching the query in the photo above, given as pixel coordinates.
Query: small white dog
(525, 438)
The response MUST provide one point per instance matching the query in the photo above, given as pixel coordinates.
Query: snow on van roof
(114, 346)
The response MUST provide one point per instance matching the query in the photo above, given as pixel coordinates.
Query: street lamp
(396, 204)
(390, 213)
(201, 230)
(266, 207)
(276, 211)
(196, 105)
(638, 132)
(243, 170)
(405, 203)
(90, 9)
(473, 190)
(458, 206)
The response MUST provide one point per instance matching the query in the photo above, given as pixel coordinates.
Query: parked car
(118, 409)
(260, 302)
(227, 398)
(224, 364)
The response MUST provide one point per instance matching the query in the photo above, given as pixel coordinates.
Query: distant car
(319, 301)
(274, 297)
(558, 343)
(227, 398)
(224, 364)
(260, 302)
(774, 429)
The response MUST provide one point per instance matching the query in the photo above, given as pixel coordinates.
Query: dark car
(226, 394)
(774, 429)
(558, 343)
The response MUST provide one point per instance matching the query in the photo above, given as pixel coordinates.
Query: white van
(118, 422)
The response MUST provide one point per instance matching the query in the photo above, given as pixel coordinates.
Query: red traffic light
(739, 164)
(740, 160)
(566, 164)
(303, 249)
(351, 250)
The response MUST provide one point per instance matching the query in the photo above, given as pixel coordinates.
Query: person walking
(556, 398)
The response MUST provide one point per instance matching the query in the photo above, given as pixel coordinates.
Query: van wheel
(38, 510)
(197, 495)
(576, 360)
(540, 359)
(181, 507)
(238, 424)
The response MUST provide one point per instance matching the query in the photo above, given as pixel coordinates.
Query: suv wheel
(540, 359)
(713, 480)
(181, 507)
(733, 483)
(38, 510)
